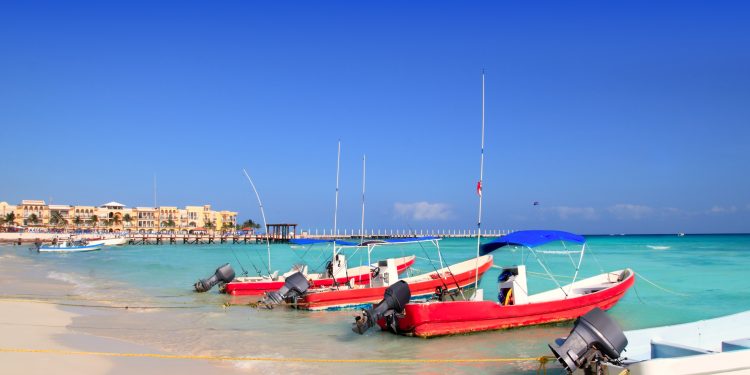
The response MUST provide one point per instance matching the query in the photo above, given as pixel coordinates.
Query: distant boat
(69, 247)
(681, 234)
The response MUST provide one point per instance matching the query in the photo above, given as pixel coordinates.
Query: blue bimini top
(530, 238)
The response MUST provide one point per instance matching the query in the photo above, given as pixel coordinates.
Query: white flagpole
(479, 190)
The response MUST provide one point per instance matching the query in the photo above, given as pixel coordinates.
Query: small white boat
(713, 346)
(69, 247)
(597, 345)
(116, 241)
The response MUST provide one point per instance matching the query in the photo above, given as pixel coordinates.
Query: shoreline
(43, 324)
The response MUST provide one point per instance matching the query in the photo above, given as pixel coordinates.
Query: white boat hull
(68, 249)
(700, 347)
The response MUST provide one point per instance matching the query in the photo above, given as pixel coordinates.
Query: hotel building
(114, 216)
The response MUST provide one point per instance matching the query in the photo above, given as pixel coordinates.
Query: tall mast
(336, 206)
(479, 191)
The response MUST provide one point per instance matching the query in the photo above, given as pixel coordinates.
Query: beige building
(32, 213)
(114, 216)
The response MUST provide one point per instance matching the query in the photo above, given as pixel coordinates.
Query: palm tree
(208, 224)
(56, 219)
(77, 221)
(33, 219)
(10, 218)
(94, 220)
(127, 219)
(249, 223)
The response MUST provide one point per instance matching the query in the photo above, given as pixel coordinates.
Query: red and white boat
(257, 285)
(451, 278)
(338, 271)
(515, 307)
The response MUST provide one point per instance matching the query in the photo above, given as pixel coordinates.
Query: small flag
(479, 188)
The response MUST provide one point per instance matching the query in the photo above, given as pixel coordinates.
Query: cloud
(722, 210)
(630, 211)
(566, 212)
(420, 211)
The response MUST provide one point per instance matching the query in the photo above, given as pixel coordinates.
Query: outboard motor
(223, 274)
(294, 286)
(394, 301)
(595, 338)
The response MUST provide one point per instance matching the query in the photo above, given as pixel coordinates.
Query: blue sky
(618, 117)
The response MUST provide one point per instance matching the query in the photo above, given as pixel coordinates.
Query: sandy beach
(34, 315)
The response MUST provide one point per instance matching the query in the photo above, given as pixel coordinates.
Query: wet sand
(34, 315)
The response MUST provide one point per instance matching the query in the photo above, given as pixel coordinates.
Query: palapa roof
(113, 204)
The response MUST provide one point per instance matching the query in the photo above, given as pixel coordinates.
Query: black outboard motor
(223, 274)
(394, 301)
(595, 338)
(294, 286)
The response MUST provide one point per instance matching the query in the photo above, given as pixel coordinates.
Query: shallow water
(698, 277)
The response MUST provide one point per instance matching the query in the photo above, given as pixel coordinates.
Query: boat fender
(624, 275)
(504, 293)
(374, 272)
(223, 274)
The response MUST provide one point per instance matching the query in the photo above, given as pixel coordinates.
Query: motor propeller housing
(223, 274)
(394, 301)
(595, 337)
(295, 285)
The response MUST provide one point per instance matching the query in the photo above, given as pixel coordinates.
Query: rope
(543, 365)
(660, 287)
(542, 360)
(90, 305)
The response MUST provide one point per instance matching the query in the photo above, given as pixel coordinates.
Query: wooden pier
(195, 239)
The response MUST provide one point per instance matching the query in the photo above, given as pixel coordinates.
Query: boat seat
(664, 349)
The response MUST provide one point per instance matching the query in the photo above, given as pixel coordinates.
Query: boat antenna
(479, 192)
(362, 227)
(263, 214)
(154, 190)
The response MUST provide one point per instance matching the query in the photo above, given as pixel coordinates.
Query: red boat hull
(457, 317)
(357, 297)
(258, 288)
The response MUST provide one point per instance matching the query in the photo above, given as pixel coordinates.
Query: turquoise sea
(681, 279)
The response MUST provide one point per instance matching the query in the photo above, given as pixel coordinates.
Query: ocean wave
(82, 284)
(655, 247)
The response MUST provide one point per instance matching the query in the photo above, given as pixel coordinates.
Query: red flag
(479, 188)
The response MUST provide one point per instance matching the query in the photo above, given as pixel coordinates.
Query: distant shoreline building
(115, 217)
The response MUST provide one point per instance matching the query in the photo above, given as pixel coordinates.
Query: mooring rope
(542, 360)
(660, 287)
